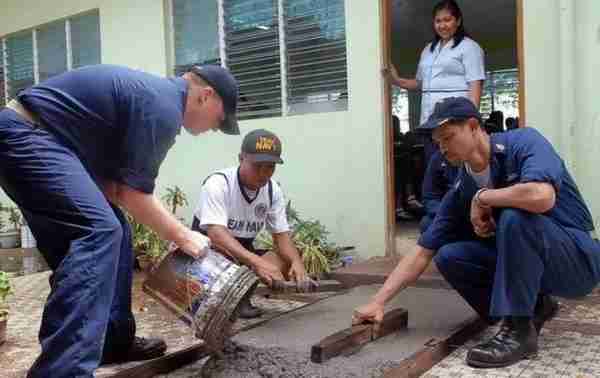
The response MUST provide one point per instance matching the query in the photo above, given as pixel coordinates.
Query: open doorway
(494, 25)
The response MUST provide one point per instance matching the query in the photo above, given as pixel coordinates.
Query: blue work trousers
(531, 254)
(86, 242)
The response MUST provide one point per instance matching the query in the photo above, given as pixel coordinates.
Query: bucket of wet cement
(204, 293)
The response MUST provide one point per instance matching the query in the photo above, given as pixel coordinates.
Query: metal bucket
(204, 293)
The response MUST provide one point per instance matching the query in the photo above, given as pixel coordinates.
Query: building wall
(562, 54)
(334, 162)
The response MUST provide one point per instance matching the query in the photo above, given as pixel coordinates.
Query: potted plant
(147, 246)
(310, 238)
(5, 291)
(11, 238)
(175, 198)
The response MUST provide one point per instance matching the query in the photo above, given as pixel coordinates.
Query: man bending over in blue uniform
(74, 149)
(512, 231)
(236, 203)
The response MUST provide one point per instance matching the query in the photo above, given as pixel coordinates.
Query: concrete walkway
(569, 345)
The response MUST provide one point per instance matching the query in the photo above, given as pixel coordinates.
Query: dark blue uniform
(98, 122)
(551, 253)
(438, 180)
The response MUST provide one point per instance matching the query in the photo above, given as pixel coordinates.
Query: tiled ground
(21, 347)
(569, 347)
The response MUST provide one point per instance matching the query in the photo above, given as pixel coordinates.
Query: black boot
(516, 340)
(545, 309)
(140, 349)
(246, 310)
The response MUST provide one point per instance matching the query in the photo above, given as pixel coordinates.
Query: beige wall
(562, 56)
(334, 162)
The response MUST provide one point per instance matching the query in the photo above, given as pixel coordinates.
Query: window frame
(35, 51)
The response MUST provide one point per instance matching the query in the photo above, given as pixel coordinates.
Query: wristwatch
(478, 200)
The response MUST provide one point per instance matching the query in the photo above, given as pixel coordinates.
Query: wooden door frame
(386, 46)
(388, 145)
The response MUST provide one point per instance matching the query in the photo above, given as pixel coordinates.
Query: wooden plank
(164, 364)
(349, 339)
(436, 350)
(290, 287)
(340, 342)
(393, 321)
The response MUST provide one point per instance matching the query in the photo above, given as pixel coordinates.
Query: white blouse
(447, 72)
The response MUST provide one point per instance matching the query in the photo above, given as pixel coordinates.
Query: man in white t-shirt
(236, 203)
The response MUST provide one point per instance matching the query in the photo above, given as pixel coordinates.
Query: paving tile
(27, 303)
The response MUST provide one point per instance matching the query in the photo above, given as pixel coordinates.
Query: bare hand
(196, 244)
(268, 272)
(297, 272)
(482, 220)
(390, 73)
(369, 313)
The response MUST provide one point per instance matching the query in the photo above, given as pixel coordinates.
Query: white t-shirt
(483, 179)
(224, 202)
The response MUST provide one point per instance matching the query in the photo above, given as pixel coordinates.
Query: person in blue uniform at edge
(75, 148)
(451, 65)
(438, 179)
(512, 231)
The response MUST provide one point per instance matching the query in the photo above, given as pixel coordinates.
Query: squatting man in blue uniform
(237, 203)
(74, 149)
(512, 231)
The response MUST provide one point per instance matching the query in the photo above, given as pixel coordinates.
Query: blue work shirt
(119, 121)
(517, 156)
(447, 71)
(438, 180)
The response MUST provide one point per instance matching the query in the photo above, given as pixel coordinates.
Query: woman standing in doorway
(450, 66)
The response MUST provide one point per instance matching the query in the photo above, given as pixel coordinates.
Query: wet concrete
(281, 348)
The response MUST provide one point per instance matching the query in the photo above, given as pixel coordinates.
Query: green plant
(14, 217)
(310, 238)
(2, 209)
(145, 241)
(5, 291)
(175, 198)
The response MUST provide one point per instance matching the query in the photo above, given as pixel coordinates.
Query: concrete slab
(285, 342)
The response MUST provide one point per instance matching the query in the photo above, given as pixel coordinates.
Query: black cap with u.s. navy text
(262, 146)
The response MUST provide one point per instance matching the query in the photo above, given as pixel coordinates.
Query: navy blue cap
(223, 82)
(451, 109)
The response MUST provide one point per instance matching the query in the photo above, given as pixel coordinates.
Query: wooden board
(166, 363)
(436, 350)
(340, 342)
(288, 287)
(350, 339)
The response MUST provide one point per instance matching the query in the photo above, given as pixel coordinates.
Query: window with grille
(195, 33)
(85, 39)
(289, 56)
(19, 63)
(34, 55)
(51, 50)
(316, 53)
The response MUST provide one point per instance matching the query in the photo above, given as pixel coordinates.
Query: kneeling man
(513, 230)
(236, 203)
